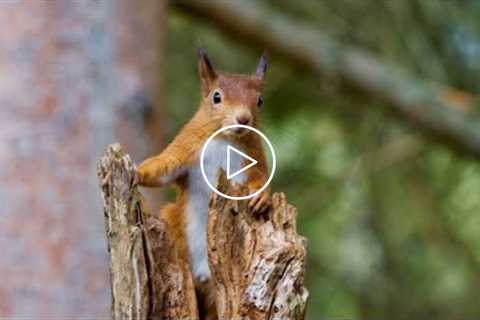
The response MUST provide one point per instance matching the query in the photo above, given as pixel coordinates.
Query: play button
(220, 152)
(251, 163)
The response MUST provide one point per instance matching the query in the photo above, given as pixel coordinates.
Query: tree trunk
(74, 76)
(257, 262)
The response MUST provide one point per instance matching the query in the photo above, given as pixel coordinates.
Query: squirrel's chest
(215, 158)
(199, 193)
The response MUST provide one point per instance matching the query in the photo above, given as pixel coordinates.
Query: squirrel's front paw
(141, 176)
(261, 202)
(145, 174)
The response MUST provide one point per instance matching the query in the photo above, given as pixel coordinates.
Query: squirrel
(226, 99)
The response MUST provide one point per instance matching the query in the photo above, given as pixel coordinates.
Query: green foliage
(392, 220)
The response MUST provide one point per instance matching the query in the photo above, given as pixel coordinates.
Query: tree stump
(257, 262)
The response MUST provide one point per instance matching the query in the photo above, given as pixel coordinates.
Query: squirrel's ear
(205, 70)
(262, 66)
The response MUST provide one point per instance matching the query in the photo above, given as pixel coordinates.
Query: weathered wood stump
(257, 262)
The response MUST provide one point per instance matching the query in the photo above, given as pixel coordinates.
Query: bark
(74, 75)
(257, 262)
(440, 112)
(147, 279)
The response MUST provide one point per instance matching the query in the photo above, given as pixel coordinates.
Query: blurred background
(372, 107)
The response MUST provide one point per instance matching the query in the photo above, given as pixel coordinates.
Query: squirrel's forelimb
(160, 170)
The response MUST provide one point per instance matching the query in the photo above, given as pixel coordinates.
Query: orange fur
(240, 95)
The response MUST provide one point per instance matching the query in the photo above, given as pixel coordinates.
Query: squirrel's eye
(260, 101)
(217, 97)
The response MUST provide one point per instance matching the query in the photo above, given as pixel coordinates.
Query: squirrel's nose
(243, 119)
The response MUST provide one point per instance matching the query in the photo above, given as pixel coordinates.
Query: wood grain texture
(147, 280)
(257, 262)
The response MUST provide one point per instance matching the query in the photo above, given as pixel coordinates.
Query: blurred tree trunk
(74, 75)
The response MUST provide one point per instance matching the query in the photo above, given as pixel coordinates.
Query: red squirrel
(227, 99)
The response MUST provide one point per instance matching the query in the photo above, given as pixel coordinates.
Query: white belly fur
(199, 196)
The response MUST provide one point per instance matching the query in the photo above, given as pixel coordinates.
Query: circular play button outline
(272, 171)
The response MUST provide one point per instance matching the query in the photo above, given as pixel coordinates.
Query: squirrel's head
(231, 99)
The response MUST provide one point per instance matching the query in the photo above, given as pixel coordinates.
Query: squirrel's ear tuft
(206, 71)
(262, 66)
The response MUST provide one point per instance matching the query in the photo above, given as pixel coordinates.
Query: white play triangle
(253, 162)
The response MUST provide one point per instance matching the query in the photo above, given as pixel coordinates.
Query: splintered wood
(257, 262)
(147, 279)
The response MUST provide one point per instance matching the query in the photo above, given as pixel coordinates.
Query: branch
(148, 280)
(439, 112)
(257, 263)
